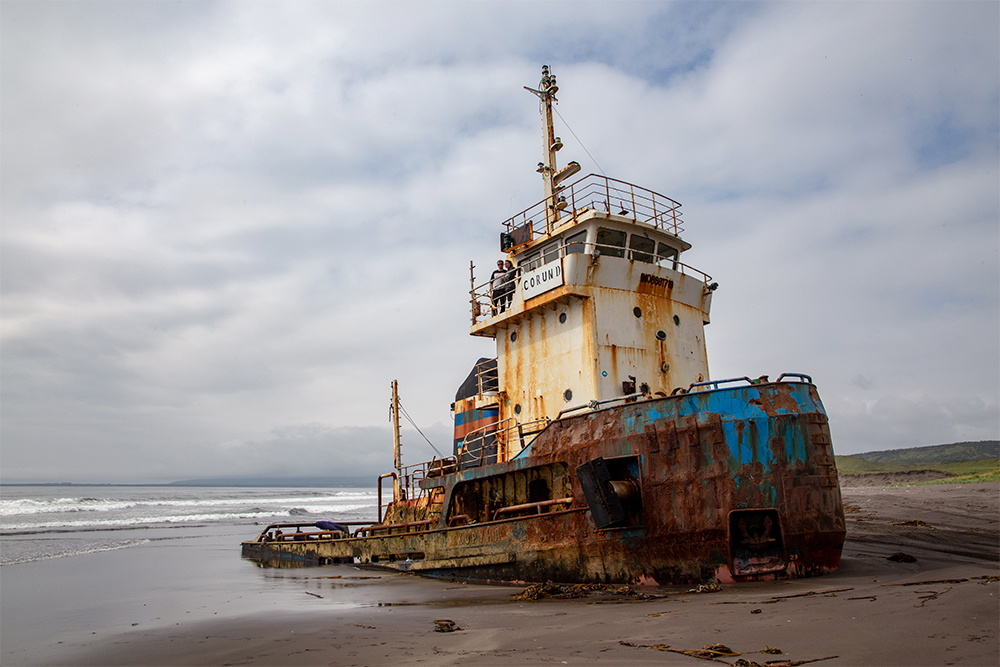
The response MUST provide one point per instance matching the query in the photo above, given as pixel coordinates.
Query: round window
(568, 395)
(637, 311)
(661, 335)
(562, 318)
(513, 336)
(517, 409)
(677, 320)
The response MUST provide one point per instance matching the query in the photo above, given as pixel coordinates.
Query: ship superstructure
(602, 306)
(595, 447)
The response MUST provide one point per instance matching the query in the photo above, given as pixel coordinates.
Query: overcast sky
(226, 227)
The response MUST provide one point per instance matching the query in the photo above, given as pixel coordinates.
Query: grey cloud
(899, 422)
(223, 218)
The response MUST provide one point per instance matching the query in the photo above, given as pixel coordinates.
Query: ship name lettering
(656, 280)
(542, 277)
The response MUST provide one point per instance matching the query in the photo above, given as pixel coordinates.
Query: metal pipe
(802, 376)
(715, 383)
(299, 526)
(395, 481)
(389, 526)
(311, 525)
(298, 536)
(593, 405)
(536, 506)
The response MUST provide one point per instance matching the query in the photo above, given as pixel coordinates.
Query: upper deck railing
(487, 377)
(474, 449)
(599, 193)
(486, 302)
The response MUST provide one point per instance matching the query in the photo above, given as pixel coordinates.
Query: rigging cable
(578, 140)
(402, 411)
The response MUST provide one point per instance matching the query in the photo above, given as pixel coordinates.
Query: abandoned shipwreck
(595, 447)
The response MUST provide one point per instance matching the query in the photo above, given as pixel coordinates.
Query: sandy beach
(202, 605)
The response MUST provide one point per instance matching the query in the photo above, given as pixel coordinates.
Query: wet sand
(941, 609)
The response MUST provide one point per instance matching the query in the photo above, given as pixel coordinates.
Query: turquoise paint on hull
(748, 430)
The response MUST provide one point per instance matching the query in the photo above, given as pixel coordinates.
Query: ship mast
(396, 454)
(546, 92)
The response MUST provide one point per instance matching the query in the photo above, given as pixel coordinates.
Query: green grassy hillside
(855, 465)
(956, 451)
(966, 461)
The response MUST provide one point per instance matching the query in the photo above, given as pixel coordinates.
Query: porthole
(637, 311)
(568, 395)
(677, 320)
(661, 335)
(517, 409)
(513, 336)
(562, 318)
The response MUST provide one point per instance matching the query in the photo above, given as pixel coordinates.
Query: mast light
(565, 172)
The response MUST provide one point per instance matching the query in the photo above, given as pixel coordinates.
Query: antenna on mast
(551, 177)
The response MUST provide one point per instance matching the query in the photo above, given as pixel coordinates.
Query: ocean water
(83, 566)
(45, 522)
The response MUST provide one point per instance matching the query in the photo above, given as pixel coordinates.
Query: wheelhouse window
(550, 253)
(531, 262)
(611, 242)
(667, 255)
(641, 249)
(577, 243)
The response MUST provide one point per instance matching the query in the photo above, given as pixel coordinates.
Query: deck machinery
(595, 447)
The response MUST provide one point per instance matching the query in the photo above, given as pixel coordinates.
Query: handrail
(302, 536)
(487, 377)
(593, 405)
(312, 525)
(807, 378)
(410, 476)
(536, 506)
(494, 429)
(380, 478)
(482, 303)
(265, 535)
(389, 526)
(715, 383)
(594, 192)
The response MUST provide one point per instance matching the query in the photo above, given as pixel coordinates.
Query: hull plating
(728, 484)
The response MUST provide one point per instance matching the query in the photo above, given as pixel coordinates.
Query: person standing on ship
(497, 286)
(509, 281)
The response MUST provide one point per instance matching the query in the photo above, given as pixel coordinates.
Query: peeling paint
(706, 464)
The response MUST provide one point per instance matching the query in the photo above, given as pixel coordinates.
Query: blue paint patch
(743, 453)
(630, 423)
(748, 431)
(652, 414)
(470, 416)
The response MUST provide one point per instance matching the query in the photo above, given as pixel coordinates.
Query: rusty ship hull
(594, 447)
(735, 483)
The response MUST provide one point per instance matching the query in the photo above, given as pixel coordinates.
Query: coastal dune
(918, 585)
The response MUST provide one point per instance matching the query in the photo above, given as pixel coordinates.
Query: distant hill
(953, 453)
(282, 482)
(960, 462)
